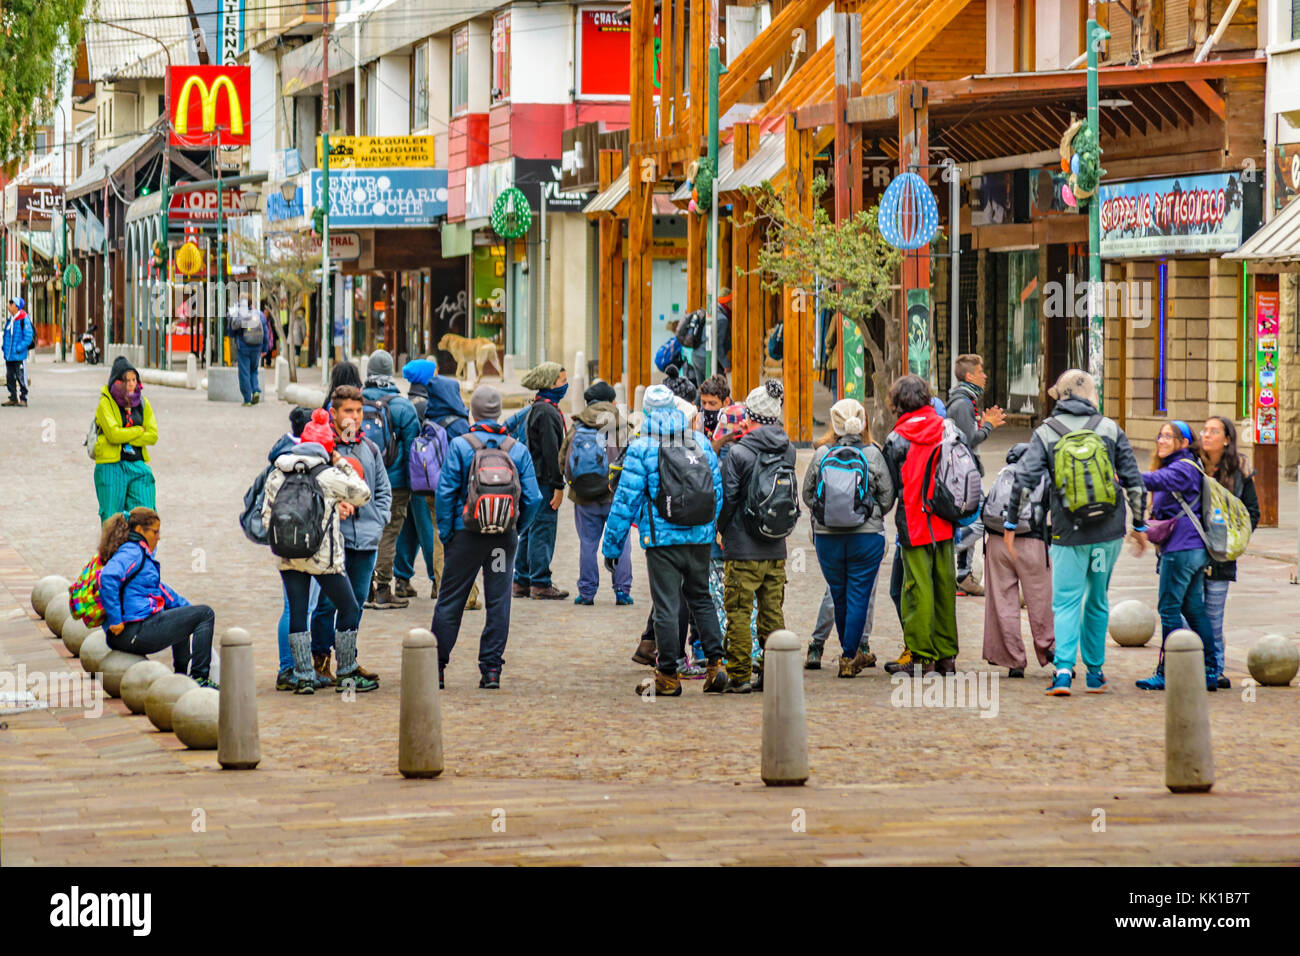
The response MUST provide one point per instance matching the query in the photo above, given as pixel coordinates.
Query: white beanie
(763, 404)
(848, 417)
(657, 396)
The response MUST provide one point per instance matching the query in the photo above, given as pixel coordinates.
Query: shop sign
(200, 205)
(210, 103)
(1266, 358)
(1286, 174)
(379, 152)
(344, 246)
(32, 203)
(483, 184)
(379, 198)
(542, 177)
(605, 53)
(1173, 216)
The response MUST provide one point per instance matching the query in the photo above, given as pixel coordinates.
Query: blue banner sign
(378, 198)
(1197, 214)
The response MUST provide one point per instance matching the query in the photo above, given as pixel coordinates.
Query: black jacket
(545, 435)
(737, 470)
(1243, 486)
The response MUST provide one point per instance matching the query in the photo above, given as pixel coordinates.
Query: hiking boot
(846, 667)
(1096, 683)
(355, 682)
(645, 653)
(756, 682)
(584, 601)
(1155, 682)
(519, 590)
(301, 686)
(10, 402)
(927, 666)
(968, 585)
(284, 680)
(1060, 685)
(814, 660)
(403, 589)
(1224, 683)
(665, 685)
(622, 597)
(491, 680)
(473, 604)
(367, 674)
(1015, 672)
(1211, 679)
(321, 662)
(904, 659)
(862, 660)
(743, 687)
(370, 600)
(207, 682)
(946, 665)
(548, 593)
(386, 600)
(715, 680)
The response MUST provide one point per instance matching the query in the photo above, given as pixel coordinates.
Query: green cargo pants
(743, 581)
(929, 605)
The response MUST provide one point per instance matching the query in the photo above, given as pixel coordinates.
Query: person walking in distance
(543, 433)
(247, 328)
(390, 421)
(671, 489)
(18, 338)
(1087, 459)
(487, 493)
(963, 409)
(125, 428)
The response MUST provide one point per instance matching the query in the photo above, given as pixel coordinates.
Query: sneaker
(691, 671)
(548, 593)
(403, 589)
(386, 600)
(968, 585)
(665, 685)
(846, 667)
(1060, 686)
(356, 682)
(1155, 682)
(257, 397)
(442, 678)
(491, 680)
(904, 659)
(1224, 683)
(946, 665)
(927, 666)
(645, 653)
(1096, 683)
(744, 687)
(1211, 679)
(304, 686)
(519, 590)
(756, 682)
(622, 597)
(11, 401)
(715, 680)
(585, 602)
(207, 682)
(814, 660)
(247, 404)
(1015, 672)
(862, 660)
(285, 680)
(367, 674)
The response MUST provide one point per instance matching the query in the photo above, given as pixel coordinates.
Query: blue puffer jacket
(449, 501)
(640, 483)
(19, 336)
(405, 421)
(145, 594)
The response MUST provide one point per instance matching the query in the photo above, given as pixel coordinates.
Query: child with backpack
(848, 489)
(760, 507)
(1028, 573)
(487, 497)
(543, 433)
(311, 488)
(589, 446)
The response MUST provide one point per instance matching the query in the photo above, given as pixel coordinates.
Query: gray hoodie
(881, 488)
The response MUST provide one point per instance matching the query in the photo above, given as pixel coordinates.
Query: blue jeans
(537, 545)
(1080, 603)
(1182, 595)
(590, 522)
(850, 563)
(358, 565)
(286, 655)
(1216, 599)
(416, 536)
(247, 359)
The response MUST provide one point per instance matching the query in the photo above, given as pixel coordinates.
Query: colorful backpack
(83, 596)
(1224, 522)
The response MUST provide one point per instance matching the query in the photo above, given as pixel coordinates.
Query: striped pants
(123, 485)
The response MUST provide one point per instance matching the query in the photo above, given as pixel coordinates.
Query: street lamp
(289, 191)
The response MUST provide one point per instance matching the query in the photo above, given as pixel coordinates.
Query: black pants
(680, 574)
(186, 630)
(463, 557)
(686, 626)
(16, 379)
(336, 587)
(896, 582)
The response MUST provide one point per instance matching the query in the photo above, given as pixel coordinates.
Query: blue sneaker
(622, 597)
(1060, 686)
(588, 602)
(1211, 679)
(1097, 683)
(1155, 682)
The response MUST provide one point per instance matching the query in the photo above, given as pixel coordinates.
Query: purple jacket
(1178, 473)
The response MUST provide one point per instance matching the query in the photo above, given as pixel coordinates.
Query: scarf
(553, 395)
(125, 399)
(710, 418)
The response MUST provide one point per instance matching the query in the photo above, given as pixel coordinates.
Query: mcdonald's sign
(208, 99)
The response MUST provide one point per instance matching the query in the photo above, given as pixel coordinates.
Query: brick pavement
(582, 768)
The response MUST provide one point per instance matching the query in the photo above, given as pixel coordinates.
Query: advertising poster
(1166, 217)
(378, 152)
(1266, 354)
(380, 198)
(605, 68)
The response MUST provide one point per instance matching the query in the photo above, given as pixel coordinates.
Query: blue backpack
(669, 353)
(428, 452)
(377, 425)
(588, 464)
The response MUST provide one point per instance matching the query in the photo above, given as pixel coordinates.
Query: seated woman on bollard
(141, 614)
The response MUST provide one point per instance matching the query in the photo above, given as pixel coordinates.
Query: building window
(1025, 28)
(42, 143)
(420, 87)
(501, 57)
(460, 71)
(1295, 19)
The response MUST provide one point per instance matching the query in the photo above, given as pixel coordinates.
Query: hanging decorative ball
(909, 216)
(1067, 194)
(72, 276)
(1074, 164)
(511, 216)
(704, 185)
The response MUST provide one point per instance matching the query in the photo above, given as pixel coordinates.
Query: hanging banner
(384, 197)
(1208, 213)
(918, 332)
(1266, 358)
(605, 53)
(379, 152)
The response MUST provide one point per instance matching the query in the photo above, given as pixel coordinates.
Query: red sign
(210, 104)
(606, 68)
(201, 205)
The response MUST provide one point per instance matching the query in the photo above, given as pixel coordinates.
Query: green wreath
(511, 216)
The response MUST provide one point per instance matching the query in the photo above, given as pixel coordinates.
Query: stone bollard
(363, 365)
(419, 747)
(1189, 757)
(785, 729)
(191, 371)
(57, 612)
(638, 398)
(281, 376)
(238, 746)
(507, 369)
(46, 588)
(578, 380)
(620, 394)
(471, 373)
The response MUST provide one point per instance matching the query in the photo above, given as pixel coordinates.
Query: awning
(1278, 241)
(661, 204)
(146, 207)
(113, 160)
(765, 164)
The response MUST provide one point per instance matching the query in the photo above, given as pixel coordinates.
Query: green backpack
(1084, 475)
(1224, 522)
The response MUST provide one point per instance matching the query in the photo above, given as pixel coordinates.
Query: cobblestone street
(581, 768)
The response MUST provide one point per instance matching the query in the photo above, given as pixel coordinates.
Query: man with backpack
(487, 494)
(963, 410)
(589, 446)
(1087, 458)
(543, 430)
(244, 325)
(760, 507)
(389, 420)
(671, 489)
(19, 336)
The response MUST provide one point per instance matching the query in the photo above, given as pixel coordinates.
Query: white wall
(567, 288)
(999, 36)
(541, 53)
(480, 65)
(440, 94)
(266, 117)
(1056, 33)
(393, 88)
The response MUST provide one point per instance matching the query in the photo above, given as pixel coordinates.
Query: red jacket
(907, 449)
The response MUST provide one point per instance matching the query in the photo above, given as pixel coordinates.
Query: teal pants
(123, 485)
(1080, 605)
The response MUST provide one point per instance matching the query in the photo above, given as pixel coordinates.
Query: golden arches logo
(208, 100)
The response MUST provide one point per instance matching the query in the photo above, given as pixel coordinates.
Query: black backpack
(298, 514)
(250, 519)
(690, 331)
(493, 491)
(685, 485)
(772, 499)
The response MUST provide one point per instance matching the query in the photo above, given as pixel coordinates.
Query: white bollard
(785, 727)
(508, 369)
(620, 394)
(1189, 756)
(191, 371)
(238, 744)
(471, 373)
(281, 376)
(638, 398)
(363, 365)
(578, 383)
(419, 746)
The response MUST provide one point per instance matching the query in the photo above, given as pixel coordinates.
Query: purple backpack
(428, 452)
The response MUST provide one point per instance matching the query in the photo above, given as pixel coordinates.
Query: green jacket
(112, 434)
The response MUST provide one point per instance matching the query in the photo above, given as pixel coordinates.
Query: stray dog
(480, 351)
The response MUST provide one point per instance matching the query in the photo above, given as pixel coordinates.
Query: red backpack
(493, 492)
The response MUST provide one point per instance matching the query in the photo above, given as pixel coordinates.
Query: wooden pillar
(697, 237)
(847, 167)
(913, 154)
(610, 273)
(697, 225)
(644, 173)
(746, 291)
(797, 302)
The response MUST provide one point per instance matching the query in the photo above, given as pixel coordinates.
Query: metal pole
(63, 219)
(164, 217)
(543, 307)
(711, 308)
(326, 316)
(356, 76)
(104, 318)
(954, 267)
(1096, 320)
(221, 272)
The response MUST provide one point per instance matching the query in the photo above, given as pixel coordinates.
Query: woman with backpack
(311, 488)
(124, 427)
(1229, 468)
(848, 489)
(1175, 477)
(141, 614)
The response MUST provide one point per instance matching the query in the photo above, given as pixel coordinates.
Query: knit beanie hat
(319, 430)
(763, 404)
(730, 422)
(848, 417)
(485, 404)
(599, 391)
(380, 364)
(681, 387)
(657, 396)
(542, 376)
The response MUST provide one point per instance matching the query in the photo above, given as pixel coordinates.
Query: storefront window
(501, 57)
(1024, 361)
(460, 71)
